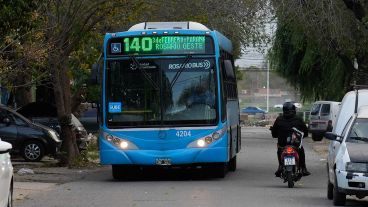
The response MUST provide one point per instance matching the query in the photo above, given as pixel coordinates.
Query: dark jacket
(282, 128)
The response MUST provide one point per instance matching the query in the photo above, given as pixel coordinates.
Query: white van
(321, 113)
(347, 108)
(348, 158)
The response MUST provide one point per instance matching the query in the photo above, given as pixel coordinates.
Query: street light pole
(268, 85)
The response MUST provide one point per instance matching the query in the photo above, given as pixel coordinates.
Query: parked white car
(296, 104)
(321, 113)
(278, 106)
(6, 175)
(348, 159)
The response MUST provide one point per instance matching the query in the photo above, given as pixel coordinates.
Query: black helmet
(288, 109)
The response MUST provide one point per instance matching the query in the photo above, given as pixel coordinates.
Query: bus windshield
(161, 92)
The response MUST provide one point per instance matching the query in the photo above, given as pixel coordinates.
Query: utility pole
(268, 86)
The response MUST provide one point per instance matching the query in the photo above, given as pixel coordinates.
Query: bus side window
(230, 79)
(229, 69)
(223, 90)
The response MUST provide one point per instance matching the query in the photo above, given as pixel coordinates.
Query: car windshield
(359, 131)
(16, 117)
(161, 92)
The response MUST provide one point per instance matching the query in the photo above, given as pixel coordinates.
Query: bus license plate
(163, 161)
(289, 161)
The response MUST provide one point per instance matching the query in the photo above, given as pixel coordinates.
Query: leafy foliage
(21, 54)
(316, 43)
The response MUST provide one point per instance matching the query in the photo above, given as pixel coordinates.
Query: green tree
(21, 53)
(317, 43)
(242, 21)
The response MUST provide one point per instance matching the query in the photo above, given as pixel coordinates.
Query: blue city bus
(169, 98)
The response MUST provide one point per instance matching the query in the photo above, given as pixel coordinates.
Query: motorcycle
(291, 170)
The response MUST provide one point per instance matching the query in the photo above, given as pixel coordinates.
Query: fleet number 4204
(183, 133)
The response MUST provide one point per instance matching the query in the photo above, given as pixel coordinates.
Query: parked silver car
(6, 175)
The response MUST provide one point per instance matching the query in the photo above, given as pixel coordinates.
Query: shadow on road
(155, 174)
(350, 201)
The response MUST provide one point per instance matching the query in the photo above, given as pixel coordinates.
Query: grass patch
(89, 157)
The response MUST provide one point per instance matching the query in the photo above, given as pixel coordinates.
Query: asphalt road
(253, 184)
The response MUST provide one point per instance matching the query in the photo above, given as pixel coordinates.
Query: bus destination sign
(161, 45)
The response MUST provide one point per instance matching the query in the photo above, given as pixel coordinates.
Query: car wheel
(329, 185)
(33, 151)
(317, 137)
(329, 190)
(10, 197)
(339, 198)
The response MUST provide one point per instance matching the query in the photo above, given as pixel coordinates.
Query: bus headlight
(207, 140)
(219, 133)
(201, 143)
(120, 143)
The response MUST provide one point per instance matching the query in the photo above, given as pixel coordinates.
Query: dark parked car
(89, 120)
(46, 114)
(30, 140)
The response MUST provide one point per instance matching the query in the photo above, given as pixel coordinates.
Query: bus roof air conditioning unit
(168, 25)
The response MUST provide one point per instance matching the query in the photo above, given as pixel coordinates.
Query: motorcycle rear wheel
(290, 180)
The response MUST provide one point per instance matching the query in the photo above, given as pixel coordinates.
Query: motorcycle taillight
(290, 150)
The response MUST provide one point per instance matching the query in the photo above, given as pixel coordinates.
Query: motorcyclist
(282, 128)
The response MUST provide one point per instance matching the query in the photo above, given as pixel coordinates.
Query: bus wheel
(120, 172)
(232, 164)
(218, 170)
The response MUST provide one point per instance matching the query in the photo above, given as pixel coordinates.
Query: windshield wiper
(136, 62)
(364, 139)
(181, 69)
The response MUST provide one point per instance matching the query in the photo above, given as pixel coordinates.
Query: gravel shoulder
(34, 177)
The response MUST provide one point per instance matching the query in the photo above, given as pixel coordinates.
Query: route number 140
(138, 44)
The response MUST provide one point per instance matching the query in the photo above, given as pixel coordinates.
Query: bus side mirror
(95, 74)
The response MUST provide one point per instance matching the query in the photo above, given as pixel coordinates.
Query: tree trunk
(77, 99)
(361, 75)
(63, 104)
(23, 95)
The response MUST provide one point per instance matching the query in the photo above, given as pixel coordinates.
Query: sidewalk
(320, 147)
(44, 176)
(22, 190)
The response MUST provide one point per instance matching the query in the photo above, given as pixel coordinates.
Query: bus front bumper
(171, 157)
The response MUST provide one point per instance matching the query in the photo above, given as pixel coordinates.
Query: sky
(252, 56)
